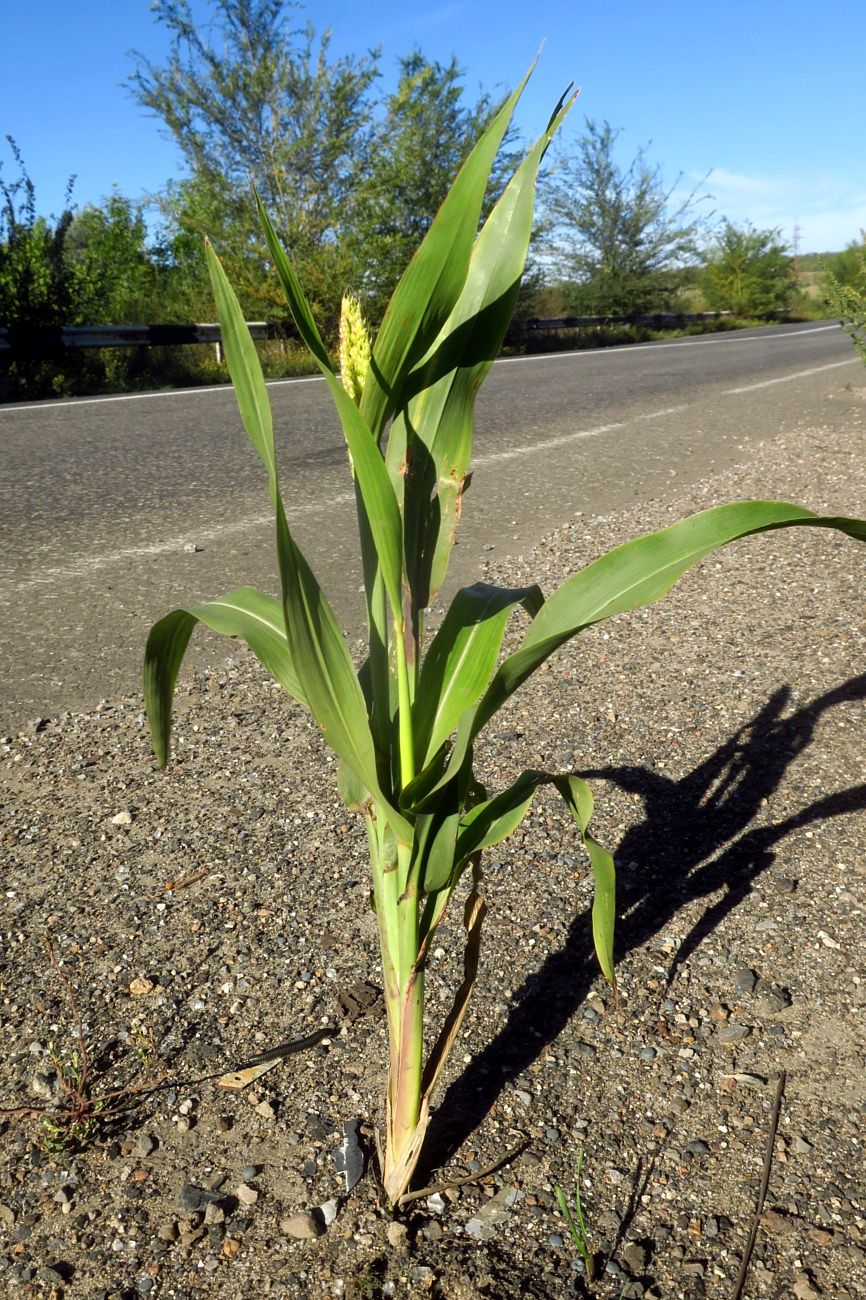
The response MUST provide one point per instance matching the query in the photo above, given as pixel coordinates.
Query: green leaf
(578, 797)
(492, 821)
(636, 574)
(433, 434)
(351, 790)
(436, 838)
(315, 643)
(295, 296)
(245, 369)
(249, 614)
(380, 503)
(246, 613)
(461, 660)
(433, 279)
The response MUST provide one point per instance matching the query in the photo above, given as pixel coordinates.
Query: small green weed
(82, 1114)
(575, 1221)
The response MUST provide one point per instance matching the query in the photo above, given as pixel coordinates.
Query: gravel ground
(723, 730)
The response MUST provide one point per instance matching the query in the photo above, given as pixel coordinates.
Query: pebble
(145, 1145)
(648, 1054)
(246, 1195)
(328, 1210)
(249, 1172)
(556, 1239)
(397, 1234)
(733, 1033)
(483, 1225)
(698, 1148)
(193, 1197)
(304, 1227)
(804, 1288)
(634, 1256)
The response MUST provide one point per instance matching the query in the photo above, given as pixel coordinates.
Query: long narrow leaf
(246, 613)
(461, 659)
(493, 820)
(380, 503)
(433, 279)
(430, 443)
(578, 797)
(315, 642)
(636, 574)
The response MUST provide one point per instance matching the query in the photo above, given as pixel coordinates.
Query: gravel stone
(723, 730)
(192, 1197)
(303, 1226)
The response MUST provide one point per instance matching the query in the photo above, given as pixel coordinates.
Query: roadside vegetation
(354, 178)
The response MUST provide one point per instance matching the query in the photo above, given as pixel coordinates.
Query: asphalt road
(99, 497)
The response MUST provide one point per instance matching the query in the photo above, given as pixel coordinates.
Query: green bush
(747, 272)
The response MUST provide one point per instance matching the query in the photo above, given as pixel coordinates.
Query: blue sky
(764, 95)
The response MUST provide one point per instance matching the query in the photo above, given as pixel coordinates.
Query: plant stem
(404, 701)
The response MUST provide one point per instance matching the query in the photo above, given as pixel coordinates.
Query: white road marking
(512, 453)
(94, 563)
(733, 337)
(786, 379)
(657, 415)
(71, 402)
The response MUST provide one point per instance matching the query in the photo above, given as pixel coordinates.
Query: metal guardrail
(49, 339)
(657, 320)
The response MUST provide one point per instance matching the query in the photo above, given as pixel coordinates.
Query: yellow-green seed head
(354, 348)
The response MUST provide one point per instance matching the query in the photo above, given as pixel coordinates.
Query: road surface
(99, 498)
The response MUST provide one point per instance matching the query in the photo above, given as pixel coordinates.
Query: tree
(113, 279)
(621, 235)
(264, 104)
(747, 271)
(35, 284)
(844, 289)
(849, 266)
(421, 138)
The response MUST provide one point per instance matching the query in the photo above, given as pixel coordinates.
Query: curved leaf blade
(578, 797)
(492, 821)
(437, 423)
(380, 503)
(431, 283)
(244, 368)
(461, 659)
(246, 613)
(314, 640)
(634, 575)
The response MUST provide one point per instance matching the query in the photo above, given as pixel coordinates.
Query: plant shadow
(697, 838)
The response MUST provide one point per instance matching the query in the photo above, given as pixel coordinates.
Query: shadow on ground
(696, 839)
